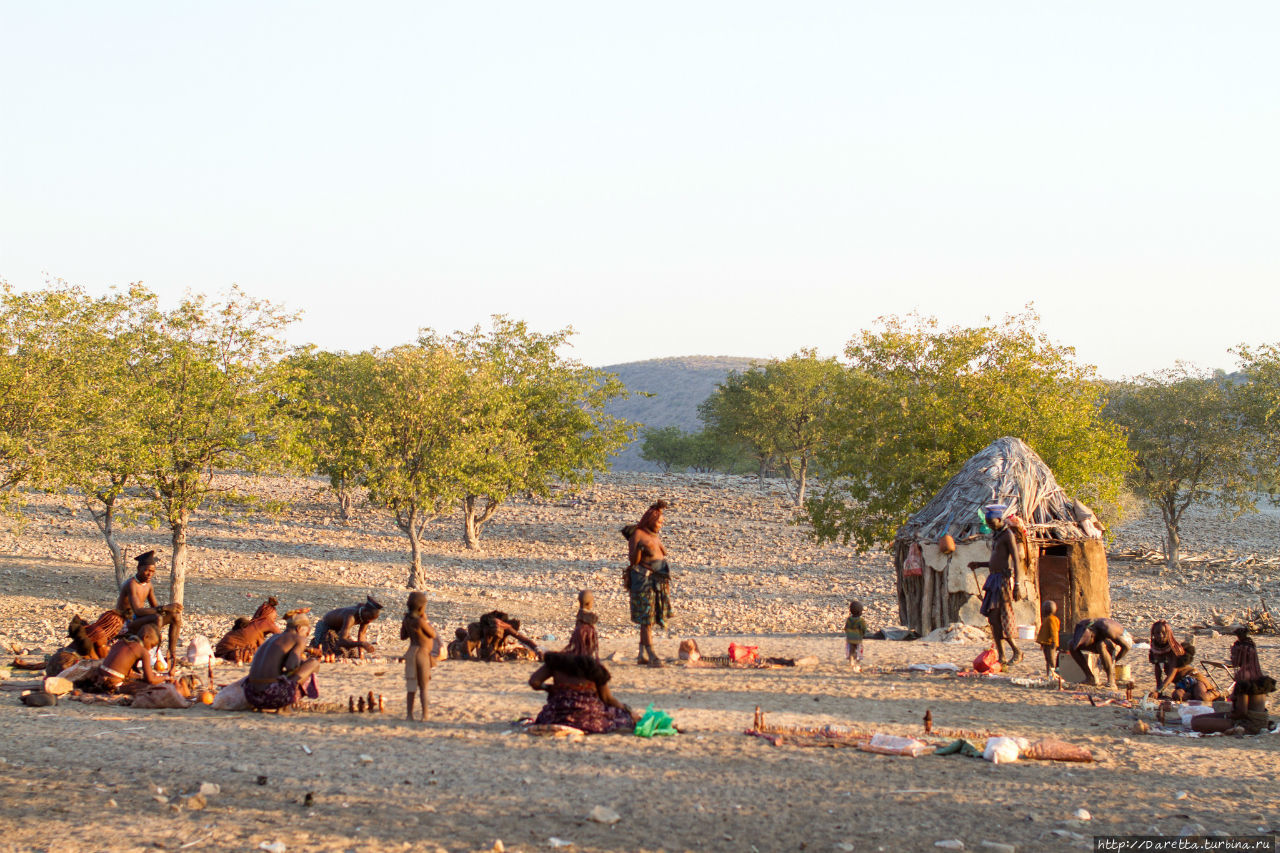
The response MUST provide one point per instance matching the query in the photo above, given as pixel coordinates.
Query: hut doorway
(1055, 576)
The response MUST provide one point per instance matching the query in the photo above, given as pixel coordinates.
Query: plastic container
(1026, 632)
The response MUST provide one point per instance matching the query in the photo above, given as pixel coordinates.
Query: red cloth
(987, 661)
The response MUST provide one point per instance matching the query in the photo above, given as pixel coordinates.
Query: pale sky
(670, 178)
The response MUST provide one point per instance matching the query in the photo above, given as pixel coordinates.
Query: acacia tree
(726, 418)
(333, 393)
(214, 389)
(781, 409)
(37, 370)
(918, 400)
(416, 428)
(1194, 443)
(103, 449)
(544, 420)
(667, 447)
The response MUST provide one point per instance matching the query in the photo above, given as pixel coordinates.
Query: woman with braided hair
(648, 579)
(1174, 666)
(1249, 692)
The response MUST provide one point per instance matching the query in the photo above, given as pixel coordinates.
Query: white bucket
(1026, 632)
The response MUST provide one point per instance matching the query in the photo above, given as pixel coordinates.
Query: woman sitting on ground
(116, 673)
(1249, 693)
(578, 695)
(1174, 664)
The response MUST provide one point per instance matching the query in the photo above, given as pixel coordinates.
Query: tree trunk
(1171, 543)
(106, 521)
(802, 480)
(344, 503)
(1172, 517)
(409, 524)
(475, 518)
(178, 563)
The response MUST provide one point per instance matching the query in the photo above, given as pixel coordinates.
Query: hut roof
(1005, 471)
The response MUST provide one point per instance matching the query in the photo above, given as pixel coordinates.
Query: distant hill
(678, 386)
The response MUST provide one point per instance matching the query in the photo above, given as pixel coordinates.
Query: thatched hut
(1067, 561)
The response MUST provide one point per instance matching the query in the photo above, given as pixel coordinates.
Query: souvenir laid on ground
(933, 667)
(896, 745)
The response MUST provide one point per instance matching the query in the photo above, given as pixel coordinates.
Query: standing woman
(648, 579)
(999, 590)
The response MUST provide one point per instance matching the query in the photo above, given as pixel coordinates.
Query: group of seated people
(135, 611)
(122, 645)
(1173, 664)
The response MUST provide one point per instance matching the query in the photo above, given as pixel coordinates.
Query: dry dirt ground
(80, 777)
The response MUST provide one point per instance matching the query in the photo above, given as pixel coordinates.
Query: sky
(719, 178)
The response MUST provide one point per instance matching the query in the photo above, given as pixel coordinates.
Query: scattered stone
(196, 802)
(1181, 795)
(239, 768)
(499, 847)
(365, 758)
(209, 789)
(605, 815)
(1190, 829)
(949, 844)
(1082, 814)
(273, 846)
(999, 847)
(844, 847)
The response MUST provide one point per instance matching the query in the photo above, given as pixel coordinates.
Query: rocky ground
(745, 571)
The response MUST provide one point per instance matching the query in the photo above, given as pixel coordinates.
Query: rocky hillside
(667, 392)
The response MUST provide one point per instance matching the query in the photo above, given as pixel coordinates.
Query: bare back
(278, 656)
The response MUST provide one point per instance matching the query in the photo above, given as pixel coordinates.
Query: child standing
(1047, 636)
(855, 629)
(418, 660)
(584, 640)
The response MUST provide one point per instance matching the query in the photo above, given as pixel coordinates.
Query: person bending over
(334, 629)
(1102, 637)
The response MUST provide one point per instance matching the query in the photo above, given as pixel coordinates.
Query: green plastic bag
(959, 747)
(655, 722)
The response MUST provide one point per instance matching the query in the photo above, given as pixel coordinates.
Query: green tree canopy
(214, 392)
(917, 400)
(781, 409)
(38, 370)
(331, 399)
(1194, 442)
(544, 422)
(421, 421)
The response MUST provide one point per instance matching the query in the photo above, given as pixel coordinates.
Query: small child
(855, 628)
(418, 660)
(584, 640)
(1047, 636)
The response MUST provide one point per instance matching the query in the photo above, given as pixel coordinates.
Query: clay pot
(947, 545)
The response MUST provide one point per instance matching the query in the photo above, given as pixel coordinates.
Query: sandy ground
(466, 779)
